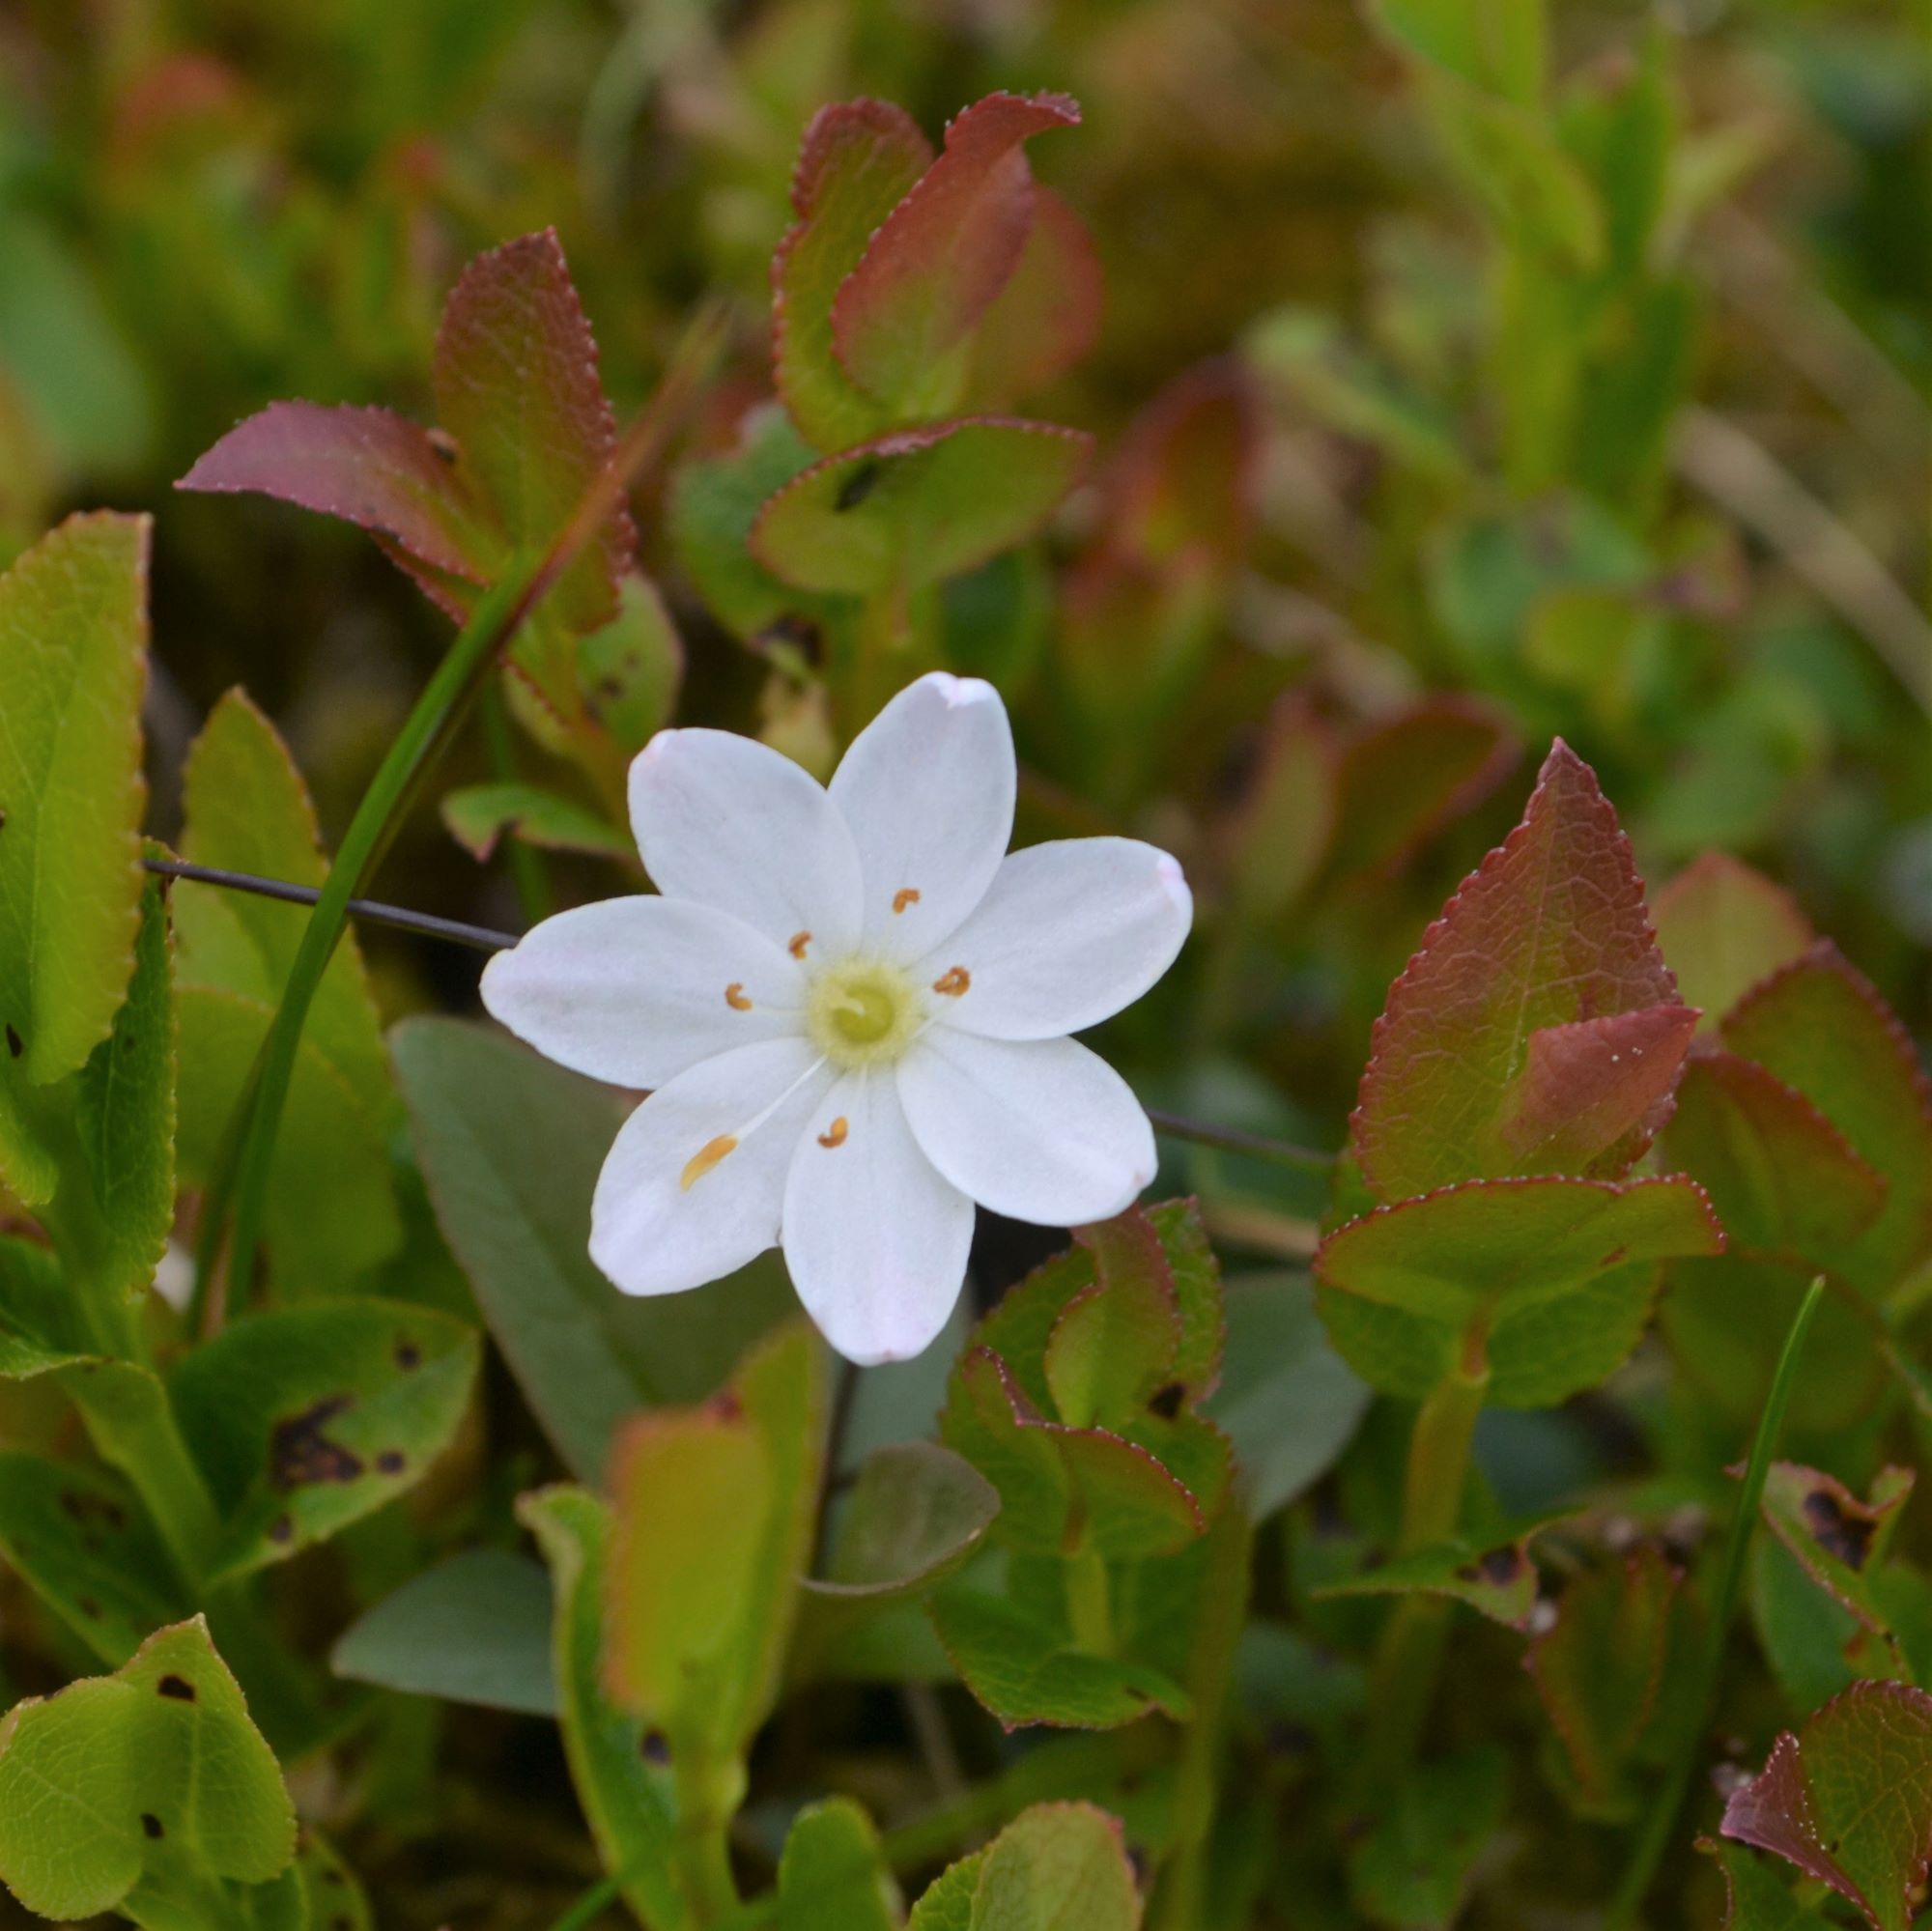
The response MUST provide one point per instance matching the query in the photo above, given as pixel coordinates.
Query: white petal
(655, 1235)
(875, 1241)
(736, 825)
(1068, 933)
(635, 990)
(1039, 1129)
(927, 788)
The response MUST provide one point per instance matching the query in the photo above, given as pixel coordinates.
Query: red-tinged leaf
(1839, 1540)
(1114, 1341)
(901, 320)
(1849, 1800)
(1196, 1277)
(1820, 1027)
(1548, 931)
(859, 161)
(1403, 778)
(516, 382)
(1452, 1255)
(1499, 1582)
(1046, 318)
(1182, 490)
(1592, 1090)
(1597, 1670)
(365, 466)
(1723, 927)
(913, 508)
(1783, 1179)
(1279, 835)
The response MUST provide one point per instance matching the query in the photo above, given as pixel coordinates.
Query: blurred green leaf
(1414, 1868)
(831, 1876)
(478, 815)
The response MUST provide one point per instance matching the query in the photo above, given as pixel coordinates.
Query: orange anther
(797, 944)
(952, 981)
(835, 1134)
(906, 894)
(704, 1159)
(734, 997)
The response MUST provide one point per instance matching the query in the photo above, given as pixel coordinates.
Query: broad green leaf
(1820, 1027)
(73, 640)
(1283, 827)
(1287, 1403)
(1474, 1249)
(1598, 1669)
(149, 1790)
(79, 1537)
(1758, 1899)
(1784, 1181)
(1195, 1275)
(1536, 192)
(1848, 1800)
(329, 1213)
(510, 1148)
(917, 506)
(1840, 1540)
(948, 1902)
(248, 810)
(334, 1896)
(901, 318)
(1499, 48)
(474, 1629)
(1501, 1582)
(1723, 927)
(1414, 1867)
(858, 160)
(1113, 1344)
(39, 1313)
(1509, 1024)
(307, 1418)
(916, 1512)
(480, 816)
(1057, 1867)
(831, 1875)
(631, 668)
(619, 1770)
(1803, 1631)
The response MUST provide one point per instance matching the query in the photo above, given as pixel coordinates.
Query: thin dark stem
(1231, 1139)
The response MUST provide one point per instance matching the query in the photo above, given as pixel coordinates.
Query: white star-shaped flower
(851, 1006)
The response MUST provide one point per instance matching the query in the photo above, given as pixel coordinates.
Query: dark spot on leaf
(90, 1609)
(340, 1924)
(333, 1876)
(799, 632)
(655, 1747)
(1166, 1402)
(408, 1355)
(14, 1043)
(1137, 1863)
(281, 1529)
(725, 1406)
(177, 1687)
(391, 1461)
(858, 486)
(1611, 1259)
(300, 1452)
(1501, 1566)
(1839, 1535)
(152, 1824)
(444, 444)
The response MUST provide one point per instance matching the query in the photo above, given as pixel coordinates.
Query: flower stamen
(906, 894)
(835, 1134)
(734, 997)
(952, 981)
(704, 1159)
(797, 944)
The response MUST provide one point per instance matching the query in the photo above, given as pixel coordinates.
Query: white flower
(852, 1007)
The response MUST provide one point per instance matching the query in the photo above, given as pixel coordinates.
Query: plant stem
(1657, 1826)
(707, 1796)
(1232, 1140)
(1089, 1601)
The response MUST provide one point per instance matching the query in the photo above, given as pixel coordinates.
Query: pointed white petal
(635, 990)
(875, 1241)
(736, 825)
(667, 1217)
(927, 788)
(1068, 933)
(1039, 1129)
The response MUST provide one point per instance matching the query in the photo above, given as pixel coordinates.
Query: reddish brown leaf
(1723, 927)
(944, 253)
(1048, 315)
(365, 466)
(1849, 1801)
(1549, 931)
(516, 382)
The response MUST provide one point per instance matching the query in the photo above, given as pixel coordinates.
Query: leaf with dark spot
(1840, 1540)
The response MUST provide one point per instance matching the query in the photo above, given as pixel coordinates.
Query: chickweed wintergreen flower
(851, 1006)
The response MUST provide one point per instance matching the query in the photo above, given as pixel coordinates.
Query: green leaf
(1840, 1540)
(858, 160)
(1499, 48)
(623, 1786)
(631, 668)
(1057, 1867)
(1538, 1029)
(916, 1512)
(248, 810)
(1287, 1403)
(474, 1629)
(1820, 1027)
(73, 639)
(1723, 927)
(308, 1418)
(1536, 192)
(1499, 1581)
(1113, 1344)
(1849, 1800)
(333, 1895)
(149, 1790)
(1803, 1631)
(948, 1903)
(82, 1540)
(510, 1148)
(915, 507)
(1598, 1669)
(1757, 1898)
(831, 1876)
(723, 1496)
(1413, 1868)
(480, 816)
(38, 1316)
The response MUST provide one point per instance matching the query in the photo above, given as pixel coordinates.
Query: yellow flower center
(862, 1011)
